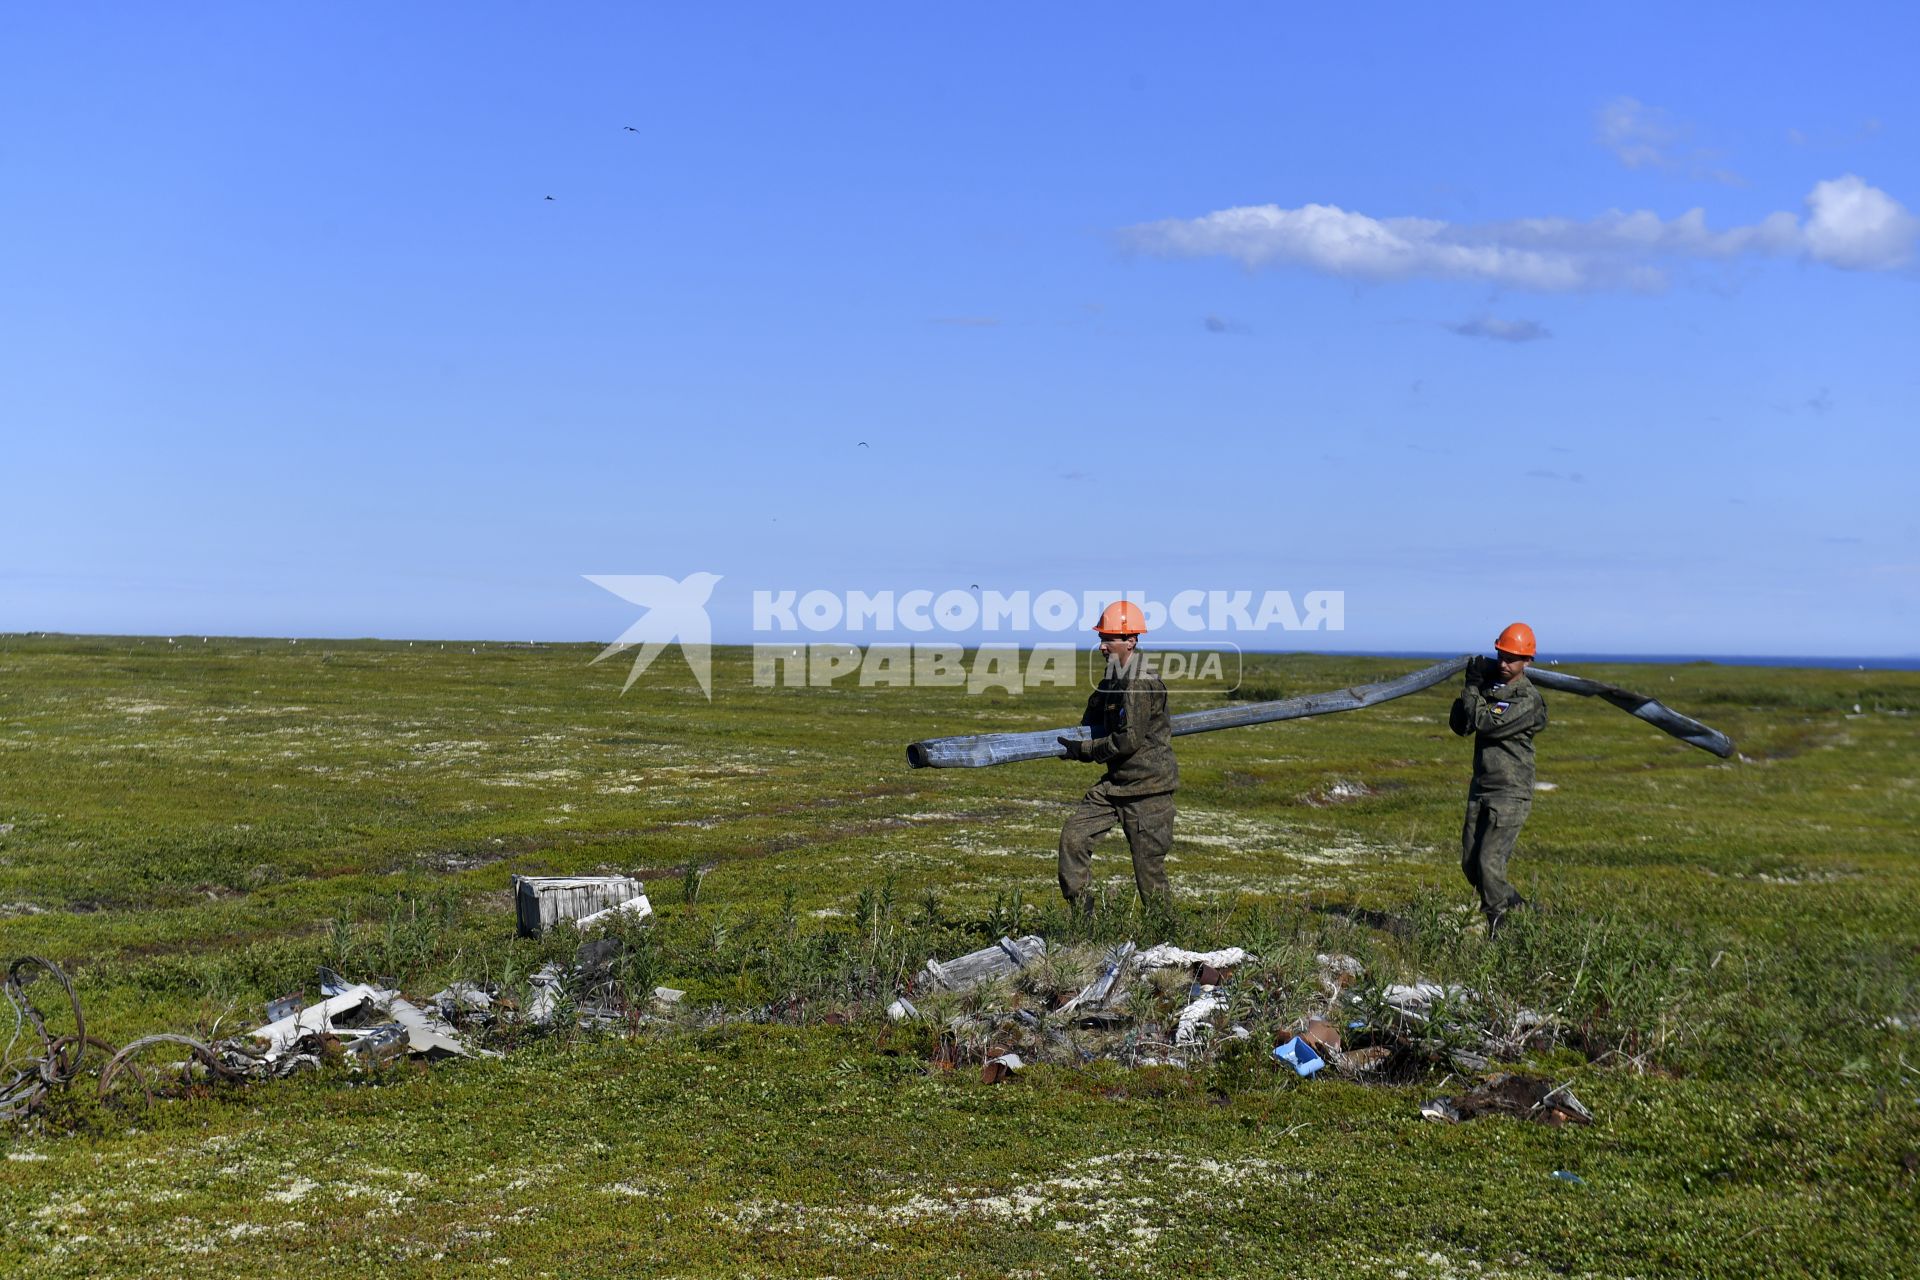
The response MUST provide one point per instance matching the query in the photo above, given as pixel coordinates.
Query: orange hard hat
(1517, 638)
(1122, 618)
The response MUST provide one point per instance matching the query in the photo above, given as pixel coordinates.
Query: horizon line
(1591, 655)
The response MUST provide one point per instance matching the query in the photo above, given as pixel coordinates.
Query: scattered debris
(1194, 1017)
(638, 907)
(1096, 992)
(21, 909)
(999, 1067)
(285, 1006)
(1358, 1062)
(543, 994)
(365, 1020)
(1129, 1013)
(540, 902)
(1528, 1097)
(1415, 1000)
(351, 1010)
(460, 1000)
(1167, 956)
(997, 961)
(61, 1056)
(1566, 1176)
(357, 1022)
(427, 1035)
(1322, 1035)
(1138, 1010)
(1337, 973)
(1299, 1055)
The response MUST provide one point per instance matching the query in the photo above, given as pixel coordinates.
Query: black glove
(1077, 748)
(1476, 671)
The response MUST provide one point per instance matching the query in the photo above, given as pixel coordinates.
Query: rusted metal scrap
(60, 1057)
(365, 1023)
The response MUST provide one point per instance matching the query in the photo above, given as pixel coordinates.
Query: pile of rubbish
(1003, 1007)
(1165, 1006)
(353, 1023)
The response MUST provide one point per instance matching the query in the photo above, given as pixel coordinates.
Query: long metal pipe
(1006, 748)
(1665, 718)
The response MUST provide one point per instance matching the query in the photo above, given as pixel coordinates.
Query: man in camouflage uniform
(1132, 736)
(1502, 710)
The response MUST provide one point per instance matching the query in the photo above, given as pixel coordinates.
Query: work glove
(1476, 671)
(1077, 749)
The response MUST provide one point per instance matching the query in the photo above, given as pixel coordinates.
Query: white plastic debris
(1194, 1017)
(1166, 956)
(902, 1010)
(638, 907)
(281, 1034)
(1412, 1000)
(385, 1019)
(999, 1068)
(426, 1033)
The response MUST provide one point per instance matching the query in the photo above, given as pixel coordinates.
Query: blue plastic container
(1298, 1054)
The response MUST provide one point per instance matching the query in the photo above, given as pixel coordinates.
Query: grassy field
(193, 827)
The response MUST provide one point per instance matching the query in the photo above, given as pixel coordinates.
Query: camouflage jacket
(1132, 734)
(1502, 720)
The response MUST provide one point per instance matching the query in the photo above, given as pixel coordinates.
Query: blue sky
(1409, 306)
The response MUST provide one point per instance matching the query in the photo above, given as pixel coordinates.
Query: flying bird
(865, 445)
(676, 612)
(629, 128)
(549, 197)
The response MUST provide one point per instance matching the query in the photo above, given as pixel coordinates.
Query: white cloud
(1857, 226)
(1644, 137)
(1639, 135)
(1851, 225)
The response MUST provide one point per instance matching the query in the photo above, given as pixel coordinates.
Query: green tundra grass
(1733, 949)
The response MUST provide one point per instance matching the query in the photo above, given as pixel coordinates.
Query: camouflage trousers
(1148, 824)
(1487, 841)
